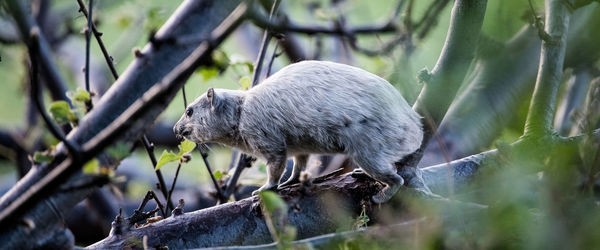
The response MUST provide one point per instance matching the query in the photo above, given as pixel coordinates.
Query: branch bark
(541, 110)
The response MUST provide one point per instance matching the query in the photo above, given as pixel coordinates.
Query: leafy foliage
(62, 113)
(167, 156)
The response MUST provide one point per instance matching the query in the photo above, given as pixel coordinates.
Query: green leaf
(218, 175)
(80, 95)
(220, 59)
(245, 82)
(208, 73)
(165, 158)
(271, 201)
(91, 167)
(61, 112)
(186, 146)
(119, 151)
(42, 157)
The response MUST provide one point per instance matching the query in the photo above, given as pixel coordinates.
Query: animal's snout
(181, 131)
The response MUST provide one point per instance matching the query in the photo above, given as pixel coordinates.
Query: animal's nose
(181, 130)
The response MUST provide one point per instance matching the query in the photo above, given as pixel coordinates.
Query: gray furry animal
(311, 107)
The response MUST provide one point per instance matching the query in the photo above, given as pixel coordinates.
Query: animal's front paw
(263, 188)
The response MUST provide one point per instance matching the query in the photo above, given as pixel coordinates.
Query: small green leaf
(218, 175)
(91, 167)
(80, 95)
(245, 82)
(165, 158)
(42, 157)
(208, 73)
(220, 59)
(61, 112)
(119, 151)
(186, 146)
(271, 201)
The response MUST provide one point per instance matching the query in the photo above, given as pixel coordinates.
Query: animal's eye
(189, 112)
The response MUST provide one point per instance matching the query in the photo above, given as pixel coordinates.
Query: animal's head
(213, 117)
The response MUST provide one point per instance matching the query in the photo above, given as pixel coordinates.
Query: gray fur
(312, 107)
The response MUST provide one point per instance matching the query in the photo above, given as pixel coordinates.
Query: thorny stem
(98, 36)
(88, 36)
(144, 140)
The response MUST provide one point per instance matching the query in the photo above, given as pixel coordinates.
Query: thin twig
(275, 55)
(144, 140)
(174, 181)
(288, 26)
(430, 18)
(220, 196)
(88, 36)
(161, 180)
(98, 36)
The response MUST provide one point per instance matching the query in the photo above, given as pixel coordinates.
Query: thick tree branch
(541, 110)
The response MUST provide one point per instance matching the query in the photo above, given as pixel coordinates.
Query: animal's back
(329, 107)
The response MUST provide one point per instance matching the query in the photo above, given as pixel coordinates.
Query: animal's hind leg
(300, 162)
(383, 171)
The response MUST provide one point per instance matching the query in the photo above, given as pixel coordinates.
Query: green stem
(542, 107)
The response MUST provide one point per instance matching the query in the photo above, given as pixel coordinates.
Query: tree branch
(541, 110)
(284, 25)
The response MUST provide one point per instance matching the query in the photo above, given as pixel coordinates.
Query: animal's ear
(210, 94)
